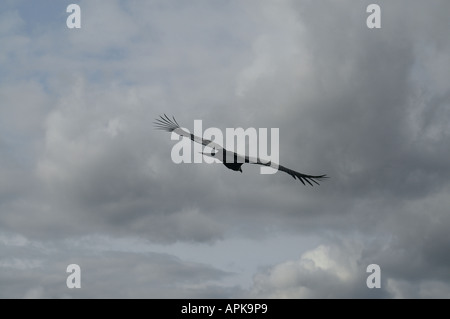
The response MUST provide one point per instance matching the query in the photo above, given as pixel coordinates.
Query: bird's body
(231, 160)
(234, 166)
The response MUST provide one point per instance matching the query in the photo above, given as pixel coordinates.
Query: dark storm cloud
(364, 100)
(370, 108)
(368, 121)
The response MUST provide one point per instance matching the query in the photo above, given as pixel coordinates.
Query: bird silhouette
(231, 160)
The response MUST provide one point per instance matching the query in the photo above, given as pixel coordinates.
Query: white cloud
(326, 271)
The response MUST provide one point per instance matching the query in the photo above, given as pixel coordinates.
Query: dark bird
(230, 159)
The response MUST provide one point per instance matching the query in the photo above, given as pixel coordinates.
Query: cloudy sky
(86, 179)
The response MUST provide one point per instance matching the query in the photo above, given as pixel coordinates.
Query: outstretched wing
(171, 125)
(302, 177)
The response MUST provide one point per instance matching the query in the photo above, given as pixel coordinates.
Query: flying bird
(231, 160)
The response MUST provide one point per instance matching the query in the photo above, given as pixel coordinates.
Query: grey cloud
(332, 271)
(367, 107)
(39, 271)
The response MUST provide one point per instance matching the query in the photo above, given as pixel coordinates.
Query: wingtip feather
(163, 122)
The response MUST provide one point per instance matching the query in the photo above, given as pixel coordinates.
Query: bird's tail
(166, 124)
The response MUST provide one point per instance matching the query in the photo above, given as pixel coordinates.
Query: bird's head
(209, 154)
(214, 153)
